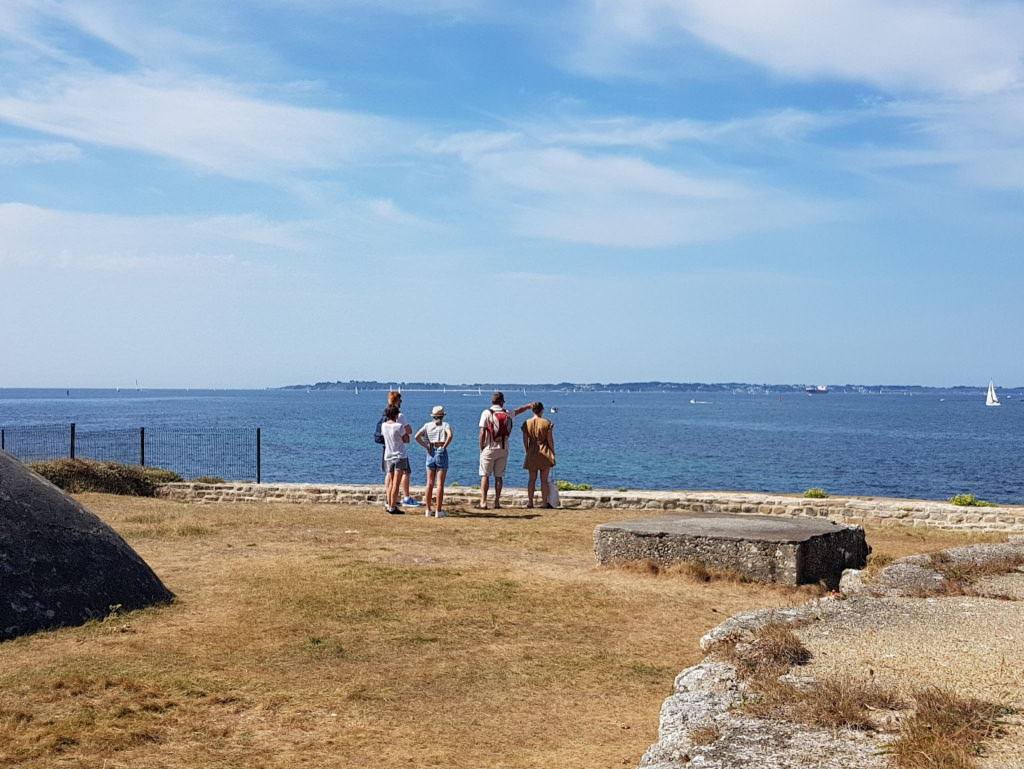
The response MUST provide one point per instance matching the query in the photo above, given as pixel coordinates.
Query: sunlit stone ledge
(859, 510)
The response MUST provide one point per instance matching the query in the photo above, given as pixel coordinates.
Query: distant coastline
(654, 386)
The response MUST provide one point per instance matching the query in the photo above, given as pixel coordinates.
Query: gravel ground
(971, 645)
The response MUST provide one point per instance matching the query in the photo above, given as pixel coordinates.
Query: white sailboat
(991, 399)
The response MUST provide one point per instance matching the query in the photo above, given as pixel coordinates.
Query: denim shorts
(438, 460)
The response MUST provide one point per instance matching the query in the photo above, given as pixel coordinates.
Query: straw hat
(437, 411)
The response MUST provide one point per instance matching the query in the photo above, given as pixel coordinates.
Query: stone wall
(859, 510)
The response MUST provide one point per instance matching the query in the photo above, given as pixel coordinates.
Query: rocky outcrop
(702, 727)
(703, 723)
(918, 574)
(59, 563)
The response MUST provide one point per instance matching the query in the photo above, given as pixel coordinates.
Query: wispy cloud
(21, 153)
(955, 47)
(778, 126)
(35, 237)
(976, 143)
(201, 122)
(626, 201)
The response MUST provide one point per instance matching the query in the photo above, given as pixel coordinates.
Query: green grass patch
(570, 486)
(969, 500)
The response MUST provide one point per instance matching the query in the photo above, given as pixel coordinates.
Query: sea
(928, 446)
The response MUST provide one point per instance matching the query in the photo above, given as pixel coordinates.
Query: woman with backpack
(539, 443)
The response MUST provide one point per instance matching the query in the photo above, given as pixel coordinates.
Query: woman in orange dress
(539, 443)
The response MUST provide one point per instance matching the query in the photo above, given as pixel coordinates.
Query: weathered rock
(706, 697)
(920, 574)
(59, 563)
(764, 548)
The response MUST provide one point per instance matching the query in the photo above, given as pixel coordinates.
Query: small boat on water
(819, 390)
(990, 398)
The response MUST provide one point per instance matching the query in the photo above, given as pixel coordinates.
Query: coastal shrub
(969, 500)
(208, 479)
(570, 486)
(816, 493)
(78, 475)
(623, 488)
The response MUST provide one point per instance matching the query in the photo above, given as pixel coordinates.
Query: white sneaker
(440, 514)
(429, 513)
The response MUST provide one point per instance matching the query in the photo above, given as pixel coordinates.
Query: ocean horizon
(929, 444)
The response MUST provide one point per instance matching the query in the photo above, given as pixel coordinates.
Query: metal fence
(192, 453)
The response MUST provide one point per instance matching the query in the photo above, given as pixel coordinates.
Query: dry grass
(946, 731)
(696, 571)
(943, 730)
(308, 635)
(961, 578)
(705, 735)
(877, 562)
(893, 541)
(834, 702)
(774, 650)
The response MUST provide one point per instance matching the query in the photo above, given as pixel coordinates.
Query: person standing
(495, 430)
(539, 444)
(395, 399)
(435, 437)
(396, 461)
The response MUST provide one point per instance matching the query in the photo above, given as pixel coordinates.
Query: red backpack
(498, 426)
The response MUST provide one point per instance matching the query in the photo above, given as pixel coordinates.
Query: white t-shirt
(435, 433)
(490, 445)
(394, 446)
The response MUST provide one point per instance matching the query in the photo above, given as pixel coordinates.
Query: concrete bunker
(59, 563)
(763, 548)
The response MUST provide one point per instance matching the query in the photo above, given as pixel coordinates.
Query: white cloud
(979, 142)
(32, 153)
(785, 125)
(627, 201)
(564, 172)
(951, 46)
(31, 236)
(200, 122)
(388, 212)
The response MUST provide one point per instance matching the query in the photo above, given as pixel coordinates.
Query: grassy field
(323, 636)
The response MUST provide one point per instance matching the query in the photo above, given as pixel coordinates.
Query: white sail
(991, 399)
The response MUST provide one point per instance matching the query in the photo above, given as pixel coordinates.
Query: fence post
(2, 441)
(72, 440)
(142, 446)
(257, 455)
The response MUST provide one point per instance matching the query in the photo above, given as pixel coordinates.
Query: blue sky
(260, 193)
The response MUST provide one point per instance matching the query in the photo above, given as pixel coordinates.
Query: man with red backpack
(495, 430)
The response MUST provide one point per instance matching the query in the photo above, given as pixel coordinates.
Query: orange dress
(540, 454)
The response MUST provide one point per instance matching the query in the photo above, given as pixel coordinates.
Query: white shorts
(492, 462)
